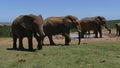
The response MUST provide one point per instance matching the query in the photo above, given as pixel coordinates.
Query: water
(86, 36)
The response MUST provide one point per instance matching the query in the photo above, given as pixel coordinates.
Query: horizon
(79, 8)
(9, 23)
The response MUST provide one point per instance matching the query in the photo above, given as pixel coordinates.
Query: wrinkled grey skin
(27, 26)
(93, 23)
(60, 25)
(117, 25)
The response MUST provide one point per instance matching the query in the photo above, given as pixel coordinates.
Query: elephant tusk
(109, 31)
(79, 31)
(38, 34)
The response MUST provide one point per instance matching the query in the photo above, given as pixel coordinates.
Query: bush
(5, 31)
(111, 23)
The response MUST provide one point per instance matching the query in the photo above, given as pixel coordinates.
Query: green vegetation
(89, 55)
(111, 23)
(5, 31)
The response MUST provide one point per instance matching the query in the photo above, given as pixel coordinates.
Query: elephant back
(88, 24)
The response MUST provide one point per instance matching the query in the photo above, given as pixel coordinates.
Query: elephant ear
(26, 21)
(101, 20)
(28, 18)
(69, 21)
(41, 18)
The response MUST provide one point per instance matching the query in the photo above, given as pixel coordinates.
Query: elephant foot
(21, 48)
(78, 43)
(95, 37)
(52, 43)
(43, 44)
(30, 49)
(15, 48)
(82, 36)
(39, 47)
(67, 44)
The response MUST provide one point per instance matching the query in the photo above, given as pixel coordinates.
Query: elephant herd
(33, 25)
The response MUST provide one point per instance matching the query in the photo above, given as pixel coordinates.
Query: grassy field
(86, 55)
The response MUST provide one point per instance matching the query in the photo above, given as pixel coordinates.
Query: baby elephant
(26, 26)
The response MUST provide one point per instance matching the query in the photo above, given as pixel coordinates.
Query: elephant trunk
(79, 37)
(108, 29)
(41, 32)
(79, 33)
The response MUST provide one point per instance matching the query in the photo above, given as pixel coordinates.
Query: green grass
(111, 23)
(90, 55)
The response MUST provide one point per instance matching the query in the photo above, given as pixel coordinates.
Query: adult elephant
(60, 25)
(117, 25)
(26, 26)
(93, 23)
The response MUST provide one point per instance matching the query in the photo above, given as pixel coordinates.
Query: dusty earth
(58, 39)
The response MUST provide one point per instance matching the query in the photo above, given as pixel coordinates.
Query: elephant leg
(67, 39)
(100, 32)
(14, 42)
(96, 34)
(82, 34)
(79, 37)
(30, 44)
(43, 40)
(40, 41)
(21, 43)
(51, 40)
(118, 32)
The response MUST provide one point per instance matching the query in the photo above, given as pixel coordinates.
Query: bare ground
(58, 39)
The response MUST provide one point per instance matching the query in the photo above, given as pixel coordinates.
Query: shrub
(5, 31)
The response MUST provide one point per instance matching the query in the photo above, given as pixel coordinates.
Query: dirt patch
(58, 39)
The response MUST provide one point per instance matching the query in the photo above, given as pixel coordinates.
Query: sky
(10, 9)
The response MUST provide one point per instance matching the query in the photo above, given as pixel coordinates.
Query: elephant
(117, 25)
(93, 23)
(27, 26)
(59, 25)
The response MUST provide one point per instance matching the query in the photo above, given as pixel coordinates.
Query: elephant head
(102, 21)
(70, 21)
(26, 26)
